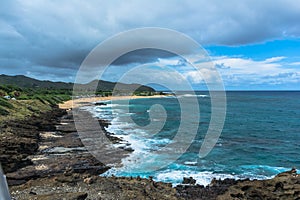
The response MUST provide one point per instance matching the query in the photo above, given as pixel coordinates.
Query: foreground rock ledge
(284, 186)
(83, 186)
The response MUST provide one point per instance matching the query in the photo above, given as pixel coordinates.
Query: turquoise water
(260, 138)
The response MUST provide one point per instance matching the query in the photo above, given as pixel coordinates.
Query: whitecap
(192, 95)
(202, 178)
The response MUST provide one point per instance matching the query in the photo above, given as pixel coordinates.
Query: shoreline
(69, 177)
(116, 139)
(75, 103)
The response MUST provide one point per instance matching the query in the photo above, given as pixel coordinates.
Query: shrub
(5, 103)
(2, 93)
(49, 100)
(56, 99)
(23, 97)
(65, 97)
(40, 99)
(3, 112)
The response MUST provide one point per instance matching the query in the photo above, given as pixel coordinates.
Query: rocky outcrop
(285, 185)
(112, 188)
(19, 139)
(189, 181)
(199, 192)
(58, 150)
(74, 185)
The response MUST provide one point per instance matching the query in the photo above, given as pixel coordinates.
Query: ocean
(260, 137)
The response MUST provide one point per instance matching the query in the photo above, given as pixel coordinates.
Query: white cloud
(147, 74)
(194, 76)
(165, 62)
(274, 59)
(295, 64)
(268, 71)
(235, 71)
(201, 75)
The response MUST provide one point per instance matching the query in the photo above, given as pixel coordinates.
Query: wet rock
(190, 181)
(100, 104)
(138, 178)
(197, 192)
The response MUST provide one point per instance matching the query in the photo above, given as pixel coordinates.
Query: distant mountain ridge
(27, 82)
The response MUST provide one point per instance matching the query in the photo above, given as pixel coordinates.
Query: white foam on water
(190, 163)
(142, 146)
(175, 176)
(110, 105)
(258, 171)
(202, 178)
(192, 95)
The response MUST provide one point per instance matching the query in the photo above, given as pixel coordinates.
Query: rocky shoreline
(44, 158)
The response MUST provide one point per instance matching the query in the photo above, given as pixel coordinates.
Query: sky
(254, 45)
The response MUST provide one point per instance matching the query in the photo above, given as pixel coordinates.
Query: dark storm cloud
(142, 56)
(59, 34)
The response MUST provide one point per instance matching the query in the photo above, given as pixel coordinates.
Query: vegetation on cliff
(18, 103)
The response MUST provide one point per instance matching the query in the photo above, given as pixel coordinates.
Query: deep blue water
(260, 137)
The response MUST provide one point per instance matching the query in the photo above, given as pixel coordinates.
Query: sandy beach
(75, 103)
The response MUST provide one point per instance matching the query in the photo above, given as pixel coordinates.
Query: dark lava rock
(100, 104)
(285, 185)
(60, 196)
(190, 181)
(199, 192)
(19, 139)
(113, 188)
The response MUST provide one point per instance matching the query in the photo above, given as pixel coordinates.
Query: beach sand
(75, 103)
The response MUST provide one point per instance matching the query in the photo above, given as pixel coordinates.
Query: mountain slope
(26, 82)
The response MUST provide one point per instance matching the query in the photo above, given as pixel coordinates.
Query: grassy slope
(22, 108)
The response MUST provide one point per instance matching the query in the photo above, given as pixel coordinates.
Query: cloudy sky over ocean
(253, 44)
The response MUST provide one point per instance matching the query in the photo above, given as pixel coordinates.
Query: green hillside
(26, 82)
